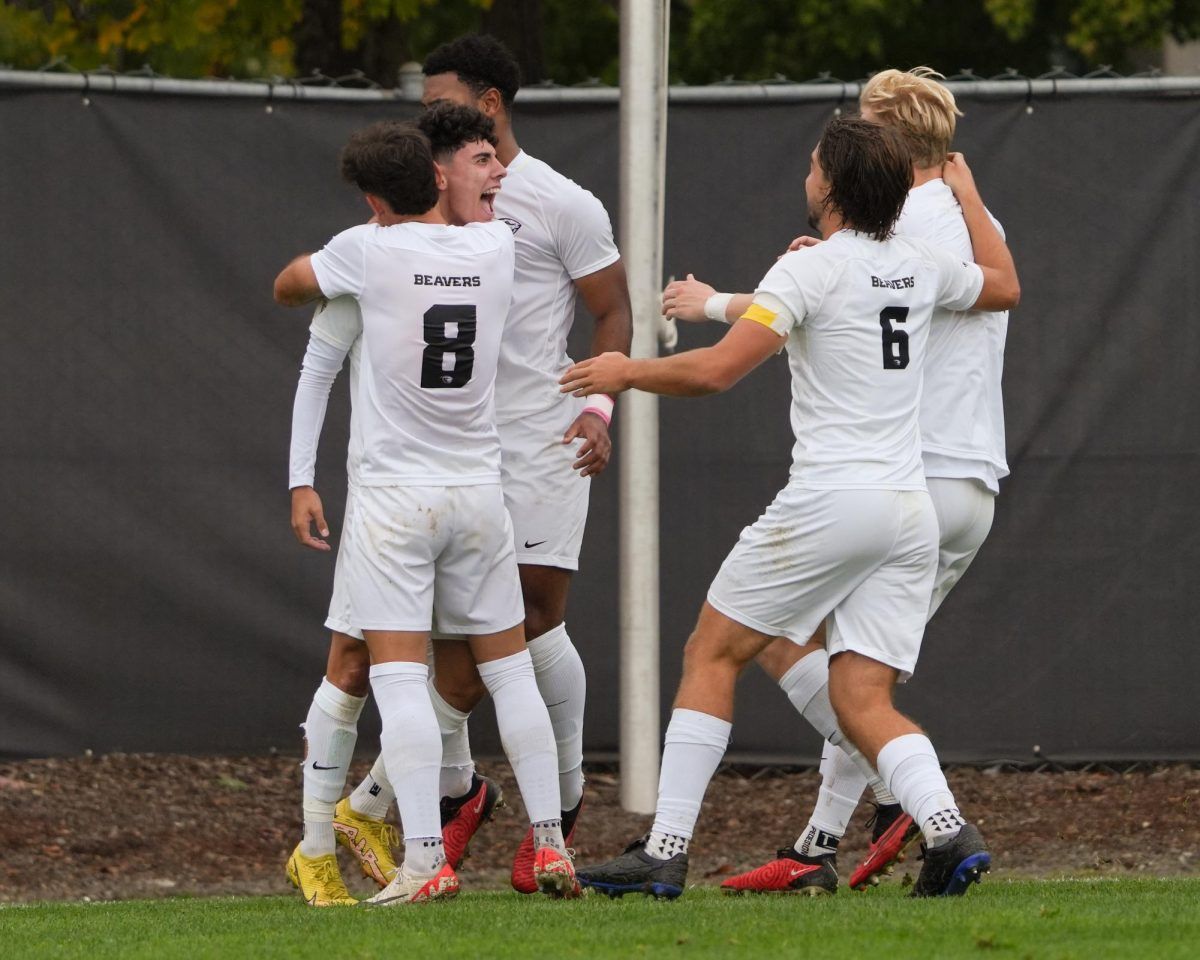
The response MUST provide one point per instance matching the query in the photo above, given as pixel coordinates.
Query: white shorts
(547, 499)
(964, 512)
(864, 559)
(339, 604)
(411, 548)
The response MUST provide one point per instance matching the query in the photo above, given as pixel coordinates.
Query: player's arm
(1001, 288)
(605, 293)
(693, 373)
(297, 284)
(322, 363)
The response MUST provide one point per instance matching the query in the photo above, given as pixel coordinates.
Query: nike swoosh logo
(479, 805)
(530, 546)
(317, 766)
(798, 873)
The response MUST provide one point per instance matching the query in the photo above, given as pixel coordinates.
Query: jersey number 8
(438, 320)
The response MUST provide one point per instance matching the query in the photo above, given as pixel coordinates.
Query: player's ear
(378, 205)
(491, 103)
(439, 176)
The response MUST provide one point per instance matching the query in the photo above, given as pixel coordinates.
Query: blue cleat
(635, 871)
(951, 868)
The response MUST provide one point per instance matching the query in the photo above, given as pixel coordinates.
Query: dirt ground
(125, 826)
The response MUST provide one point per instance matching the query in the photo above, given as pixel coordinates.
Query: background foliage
(571, 41)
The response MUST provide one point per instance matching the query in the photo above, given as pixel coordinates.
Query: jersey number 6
(439, 320)
(895, 342)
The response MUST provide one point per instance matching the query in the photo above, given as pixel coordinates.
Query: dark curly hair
(450, 127)
(869, 169)
(481, 61)
(393, 161)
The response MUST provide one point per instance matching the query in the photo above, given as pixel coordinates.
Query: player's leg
(698, 733)
(964, 511)
(391, 584)
(874, 639)
(330, 732)
(479, 595)
(468, 799)
(548, 503)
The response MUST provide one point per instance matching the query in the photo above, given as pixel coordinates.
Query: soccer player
(852, 539)
(428, 515)
(551, 444)
(463, 144)
(962, 439)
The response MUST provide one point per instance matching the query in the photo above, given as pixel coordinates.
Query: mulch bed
(125, 826)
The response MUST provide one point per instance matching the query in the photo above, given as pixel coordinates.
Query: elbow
(285, 296)
(1012, 294)
(717, 380)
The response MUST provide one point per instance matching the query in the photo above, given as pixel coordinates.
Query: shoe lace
(326, 873)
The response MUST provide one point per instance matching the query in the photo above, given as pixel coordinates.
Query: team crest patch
(513, 225)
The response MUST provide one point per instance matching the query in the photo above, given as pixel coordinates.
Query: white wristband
(601, 404)
(714, 306)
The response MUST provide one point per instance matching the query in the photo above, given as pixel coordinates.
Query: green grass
(1039, 919)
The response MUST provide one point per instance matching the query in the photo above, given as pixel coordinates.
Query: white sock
(694, 745)
(563, 686)
(423, 856)
(412, 754)
(883, 796)
(330, 732)
(911, 770)
(525, 732)
(807, 687)
(842, 785)
(548, 833)
(374, 795)
(457, 765)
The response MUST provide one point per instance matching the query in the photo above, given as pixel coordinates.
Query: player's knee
(461, 692)
(704, 651)
(349, 666)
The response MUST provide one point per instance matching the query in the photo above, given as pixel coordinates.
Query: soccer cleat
(405, 888)
(554, 874)
(371, 841)
(951, 868)
(635, 871)
(318, 880)
(894, 832)
(463, 816)
(790, 872)
(522, 868)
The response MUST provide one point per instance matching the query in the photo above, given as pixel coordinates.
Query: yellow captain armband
(760, 314)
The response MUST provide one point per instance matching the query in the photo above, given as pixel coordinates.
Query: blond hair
(918, 106)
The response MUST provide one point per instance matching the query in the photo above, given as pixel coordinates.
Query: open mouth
(489, 200)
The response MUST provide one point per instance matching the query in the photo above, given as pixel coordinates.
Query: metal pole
(642, 78)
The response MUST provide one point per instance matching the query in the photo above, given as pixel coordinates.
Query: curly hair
(481, 61)
(392, 160)
(869, 169)
(918, 106)
(450, 127)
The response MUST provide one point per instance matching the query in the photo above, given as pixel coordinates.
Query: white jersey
(962, 409)
(434, 302)
(856, 315)
(562, 233)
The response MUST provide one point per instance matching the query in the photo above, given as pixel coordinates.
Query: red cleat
(789, 872)
(522, 868)
(554, 874)
(463, 816)
(894, 831)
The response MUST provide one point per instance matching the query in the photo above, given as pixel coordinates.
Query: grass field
(1041, 919)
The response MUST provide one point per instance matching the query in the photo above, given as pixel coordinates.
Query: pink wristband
(601, 404)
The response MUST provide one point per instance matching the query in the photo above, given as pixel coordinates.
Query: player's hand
(607, 373)
(308, 512)
(958, 177)
(800, 243)
(593, 454)
(685, 299)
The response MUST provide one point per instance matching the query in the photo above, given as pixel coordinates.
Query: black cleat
(951, 868)
(635, 871)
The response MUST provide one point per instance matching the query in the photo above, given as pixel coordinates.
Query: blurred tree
(572, 40)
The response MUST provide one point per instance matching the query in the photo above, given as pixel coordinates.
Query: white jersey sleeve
(338, 322)
(340, 265)
(322, 363)
(583, 234)
(959, 282)
(792, 290)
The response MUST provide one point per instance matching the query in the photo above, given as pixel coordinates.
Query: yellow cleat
(371, 841)
(318, 880)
